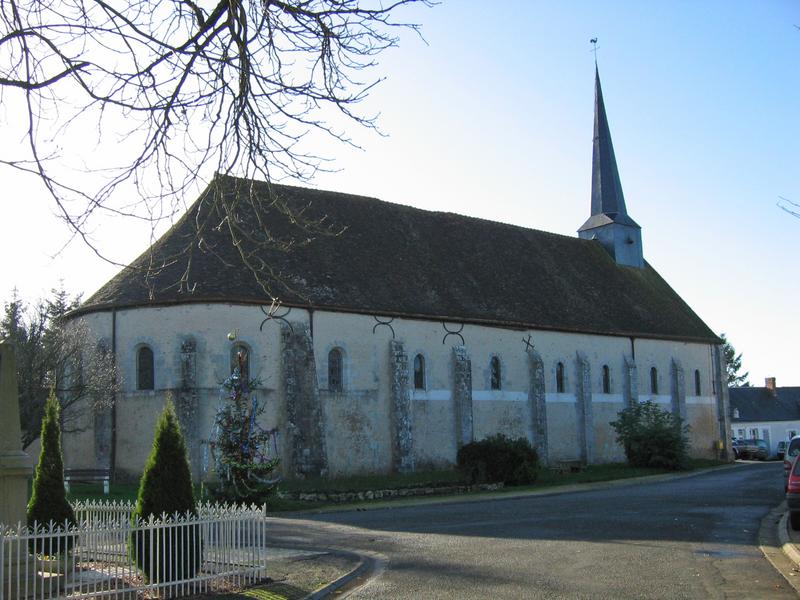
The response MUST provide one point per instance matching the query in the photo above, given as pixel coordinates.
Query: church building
(403, 336)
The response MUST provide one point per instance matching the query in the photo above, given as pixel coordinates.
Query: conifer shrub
(652, 437)
(49, 499)
(166, 489)
(499, 459)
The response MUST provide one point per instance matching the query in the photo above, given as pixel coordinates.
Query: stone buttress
(537, 405)
(401, 415)
(305, 426)
(462, 395)
(583, 396)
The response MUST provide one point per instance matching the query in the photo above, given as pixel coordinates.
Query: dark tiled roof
(397, 260)
(758, 404)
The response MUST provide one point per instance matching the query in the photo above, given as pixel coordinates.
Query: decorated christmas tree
(244, 453)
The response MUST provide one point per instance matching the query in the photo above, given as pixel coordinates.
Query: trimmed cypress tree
(166, 487)
(49, 499)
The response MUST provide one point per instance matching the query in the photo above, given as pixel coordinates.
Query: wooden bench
(568, 466)
(88, 476)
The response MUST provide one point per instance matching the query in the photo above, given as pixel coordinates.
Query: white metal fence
(106, 555)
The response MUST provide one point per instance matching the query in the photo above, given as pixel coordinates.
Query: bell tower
(609, 222)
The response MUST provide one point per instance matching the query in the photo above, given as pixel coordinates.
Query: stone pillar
(462, 395)
(188, 405)
(402, 433)
(537, 405)
(630, 383)
(305, 425)
(14, 471)
(678, 389)
(14, 474)
(723, 406)
(583, 397)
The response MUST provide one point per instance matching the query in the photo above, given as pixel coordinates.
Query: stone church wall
(379, 421)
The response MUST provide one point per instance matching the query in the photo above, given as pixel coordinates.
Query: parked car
(753, 449)
(793, 493)
(781, 450)
(735, 446)
(792, 450)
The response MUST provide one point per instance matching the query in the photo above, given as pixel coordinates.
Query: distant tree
(733, 364)
(166, 489)
(49, 500)
(53, 354)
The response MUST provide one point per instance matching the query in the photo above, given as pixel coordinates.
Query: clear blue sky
(493, 118)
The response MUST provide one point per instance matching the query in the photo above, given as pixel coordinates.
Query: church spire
(607, 196)
(609, 222)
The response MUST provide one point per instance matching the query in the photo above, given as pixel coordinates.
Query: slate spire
(609, 221)
(607, 196)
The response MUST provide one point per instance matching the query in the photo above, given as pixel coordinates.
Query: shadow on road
(725, 505)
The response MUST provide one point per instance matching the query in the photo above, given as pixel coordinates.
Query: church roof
(608, 201)
(756, 404)
(395, 260)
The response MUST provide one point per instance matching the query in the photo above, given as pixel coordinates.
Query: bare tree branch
(790, 206)
(176, 90)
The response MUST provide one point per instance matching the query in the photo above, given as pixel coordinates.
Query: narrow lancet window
(419, 372)
(697, 388)
(560, 378)
(494, 366)
(145, 370)
(335, 370)
(653, 381)
(606, 380)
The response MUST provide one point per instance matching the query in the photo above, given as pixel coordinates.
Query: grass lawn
(94, 491)
(547, 479)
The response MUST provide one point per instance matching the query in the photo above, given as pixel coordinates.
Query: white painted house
(767, 413)
(407, 335)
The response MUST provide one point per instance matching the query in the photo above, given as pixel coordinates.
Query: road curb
(369, 567)
(789, 549)
(774, 543)
(505, 493)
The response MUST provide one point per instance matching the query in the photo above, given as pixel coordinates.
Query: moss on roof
(398, 260)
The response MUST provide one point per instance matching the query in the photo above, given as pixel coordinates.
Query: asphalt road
(694, 537)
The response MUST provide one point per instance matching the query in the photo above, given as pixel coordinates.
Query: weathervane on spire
(593, 42)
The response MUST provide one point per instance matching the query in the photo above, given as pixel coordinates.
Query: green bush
(166, 488)
(499, 459)
(652, 437)
(49, 500)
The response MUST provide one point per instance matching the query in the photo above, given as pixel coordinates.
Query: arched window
(494, 366)
(606, 380)
(560, 378)
(335, 370)
(419, 372)
(145, 371)
(653, 380)
(697, 389)
(240, 359)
